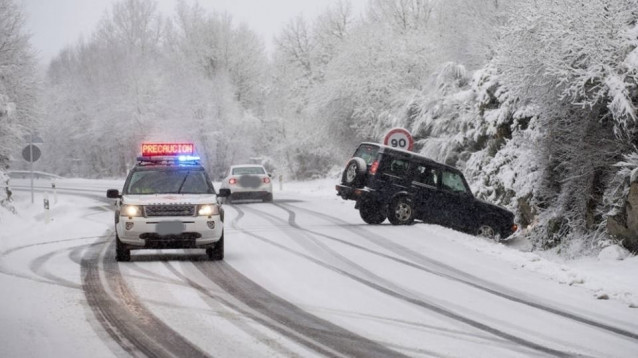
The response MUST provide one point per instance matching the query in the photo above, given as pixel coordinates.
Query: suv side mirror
(113, 194)
(223, 193)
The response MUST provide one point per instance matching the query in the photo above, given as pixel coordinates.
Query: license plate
(170, 227)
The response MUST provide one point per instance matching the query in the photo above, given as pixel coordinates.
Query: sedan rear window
(248, 171)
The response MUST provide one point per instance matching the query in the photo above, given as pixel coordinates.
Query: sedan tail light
(232, 181)
(266, 180)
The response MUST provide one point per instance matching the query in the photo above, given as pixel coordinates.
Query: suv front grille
(170, 210)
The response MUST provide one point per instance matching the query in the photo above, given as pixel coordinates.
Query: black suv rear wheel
(355, 172)
(372, 212)
(401, 211)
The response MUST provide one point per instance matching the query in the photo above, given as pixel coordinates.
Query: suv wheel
(372, 212)
(122, 253)
(401, 211)
(487, 232)
(355, 172)
(216, 253)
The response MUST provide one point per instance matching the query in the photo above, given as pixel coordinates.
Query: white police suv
(168, 202)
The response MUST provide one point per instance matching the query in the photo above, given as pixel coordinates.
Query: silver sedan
(248, 181)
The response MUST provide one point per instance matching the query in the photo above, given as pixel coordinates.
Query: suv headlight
(131, 210)
(207, 210)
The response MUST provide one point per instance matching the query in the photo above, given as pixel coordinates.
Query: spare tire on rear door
(355, 172)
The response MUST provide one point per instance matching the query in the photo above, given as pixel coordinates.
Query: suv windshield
(168, 182)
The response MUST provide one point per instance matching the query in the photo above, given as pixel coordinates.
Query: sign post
(399, 138)
(31, 153)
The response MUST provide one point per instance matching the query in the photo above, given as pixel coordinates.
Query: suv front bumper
(142, 232)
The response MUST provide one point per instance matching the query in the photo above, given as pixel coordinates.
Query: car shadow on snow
(275, 201)
(198, 255)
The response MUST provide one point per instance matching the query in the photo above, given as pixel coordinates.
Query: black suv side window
(396, 167)
(426, 175)
(452, 181)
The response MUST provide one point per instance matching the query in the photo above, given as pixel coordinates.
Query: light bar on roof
(188, 158)
(167, 149)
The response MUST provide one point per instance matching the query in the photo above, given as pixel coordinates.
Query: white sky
(55, 24)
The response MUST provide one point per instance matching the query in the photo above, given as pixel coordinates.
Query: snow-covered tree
(572, 60)
(141, 77)
(540, 128)
(18, 88)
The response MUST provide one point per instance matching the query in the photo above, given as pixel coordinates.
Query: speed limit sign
(399, 138)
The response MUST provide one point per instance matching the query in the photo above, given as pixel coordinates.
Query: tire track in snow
(456, 275)
(209, 270)
(415, 300)
(36, 265)
(183, 281)
(328, 255)
(311, 331)
(122, 315)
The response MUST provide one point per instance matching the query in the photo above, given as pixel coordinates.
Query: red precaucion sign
(167, 149)
(399, 138)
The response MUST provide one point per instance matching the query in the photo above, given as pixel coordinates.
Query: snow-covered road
(303, 276)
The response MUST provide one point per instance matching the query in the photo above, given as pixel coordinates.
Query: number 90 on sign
(401, 143)
(399, 138)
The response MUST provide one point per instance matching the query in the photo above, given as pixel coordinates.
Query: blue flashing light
(187, 158)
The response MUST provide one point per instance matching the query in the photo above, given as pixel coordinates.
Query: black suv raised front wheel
(488, 232)
(355, 172)
(401, 211)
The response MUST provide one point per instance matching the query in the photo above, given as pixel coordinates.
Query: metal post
(47, 215)
(55, 192)
(281, 182)
(31, 157)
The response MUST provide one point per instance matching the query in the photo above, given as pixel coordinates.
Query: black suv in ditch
(403, 186)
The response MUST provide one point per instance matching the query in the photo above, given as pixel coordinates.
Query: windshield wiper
(179, 191)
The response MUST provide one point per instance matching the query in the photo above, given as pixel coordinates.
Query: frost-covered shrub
(618, 188)
(8, 136)
(586, 50)
(574, 62)
(5, 193)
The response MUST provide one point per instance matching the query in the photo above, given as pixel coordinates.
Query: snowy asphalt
(304, 276)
